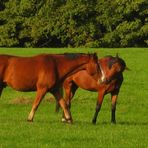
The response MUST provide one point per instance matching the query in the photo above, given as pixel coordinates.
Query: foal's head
(117, 64)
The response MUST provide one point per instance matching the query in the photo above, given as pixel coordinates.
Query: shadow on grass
(76, 122)
(127, 123)
(132, 123)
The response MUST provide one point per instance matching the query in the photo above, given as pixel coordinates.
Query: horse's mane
(73, 55)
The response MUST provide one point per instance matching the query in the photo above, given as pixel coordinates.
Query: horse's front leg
(98, 105)
(40, 94)
(114, 96)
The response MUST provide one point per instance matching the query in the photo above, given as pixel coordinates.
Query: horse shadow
(132, 123)
(126, 123)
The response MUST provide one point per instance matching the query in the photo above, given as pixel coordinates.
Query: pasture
(47, 130)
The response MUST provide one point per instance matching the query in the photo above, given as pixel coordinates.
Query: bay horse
(112, 68)
(44, 73)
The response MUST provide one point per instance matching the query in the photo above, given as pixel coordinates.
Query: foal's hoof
(113, 122)
(94, 122)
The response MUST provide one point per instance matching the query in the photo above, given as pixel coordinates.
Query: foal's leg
(98, 105)
(114, 96)
(69, 93)
(40, 94)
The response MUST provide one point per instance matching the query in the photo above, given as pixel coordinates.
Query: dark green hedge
(73, 23)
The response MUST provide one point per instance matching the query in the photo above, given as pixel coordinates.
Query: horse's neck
(69, 67)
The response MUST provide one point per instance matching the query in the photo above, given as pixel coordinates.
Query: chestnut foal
(112, 67)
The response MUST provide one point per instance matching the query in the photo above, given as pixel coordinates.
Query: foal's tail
(128, 69)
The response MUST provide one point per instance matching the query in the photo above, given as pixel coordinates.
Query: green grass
(47, 130)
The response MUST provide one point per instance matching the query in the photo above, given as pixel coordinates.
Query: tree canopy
(73, 23)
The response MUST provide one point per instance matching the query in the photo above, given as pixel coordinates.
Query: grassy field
(47, 130)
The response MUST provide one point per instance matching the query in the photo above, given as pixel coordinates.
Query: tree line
(73, 23)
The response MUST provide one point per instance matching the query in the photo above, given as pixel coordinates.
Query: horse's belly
(87, 83)
(20, 82)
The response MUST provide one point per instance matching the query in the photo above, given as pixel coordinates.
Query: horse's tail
(57, 107)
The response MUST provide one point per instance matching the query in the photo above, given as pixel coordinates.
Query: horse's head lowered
(113, 66)
(116, 65)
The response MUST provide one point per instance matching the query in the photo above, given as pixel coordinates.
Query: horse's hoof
(63, 120)
(69, 121)
(30, 120)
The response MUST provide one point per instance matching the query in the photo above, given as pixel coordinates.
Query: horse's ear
(117, 55)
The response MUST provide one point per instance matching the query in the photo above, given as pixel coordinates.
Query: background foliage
(73, 23)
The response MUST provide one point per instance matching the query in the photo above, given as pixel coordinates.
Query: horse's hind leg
(40, 94)
(114, 96)
(98, 105)
(64, 106)
(67, 89)
(70, 89)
